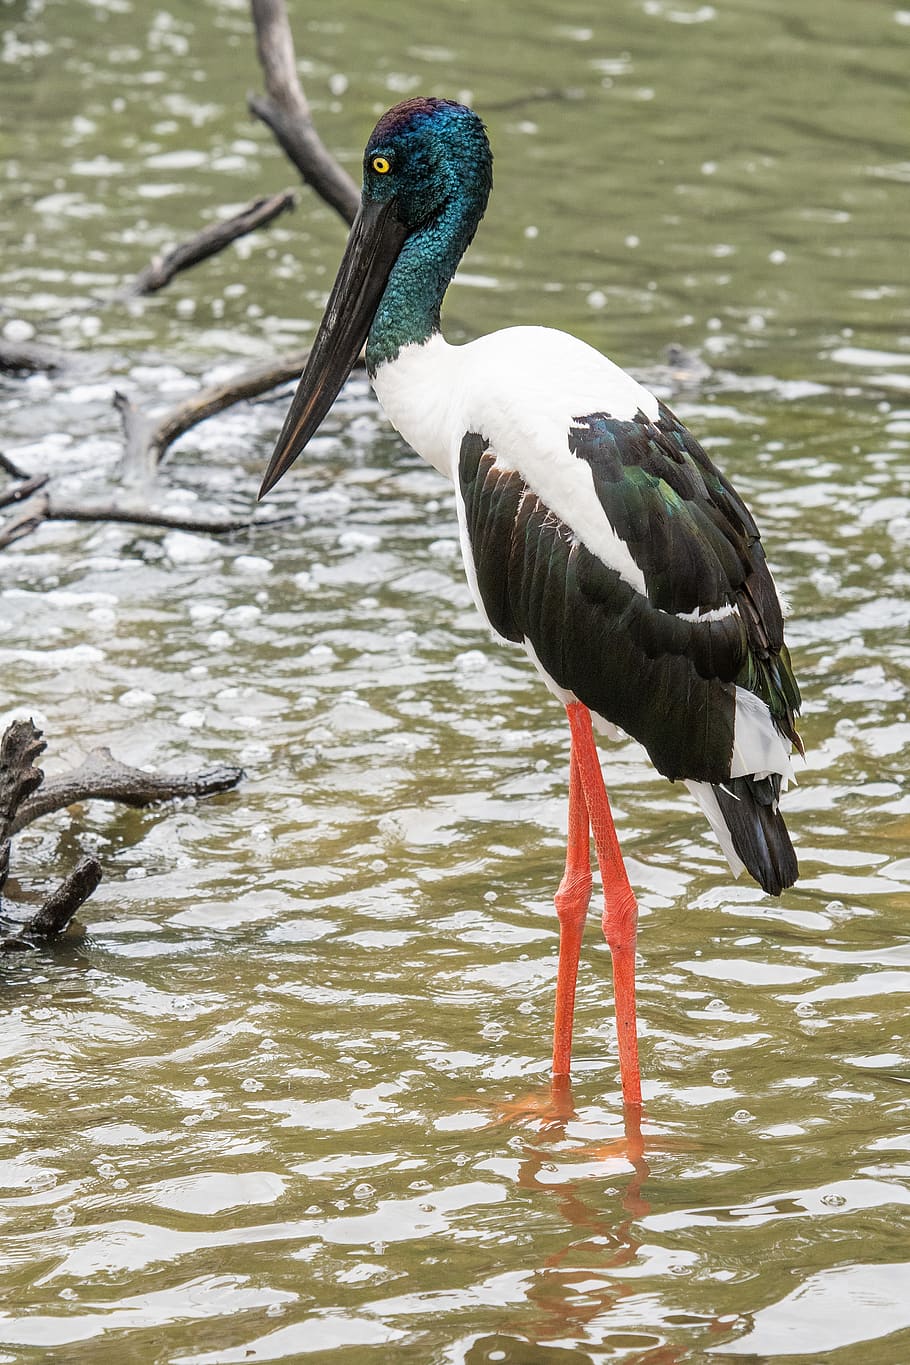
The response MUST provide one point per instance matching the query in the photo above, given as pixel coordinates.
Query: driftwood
(102, 777)
(25, 489)
(22, 745)
(20, 748)
(26, 796)
(209, 242)
(11, 469)
(43, 506)
(285, 110)
(149, 437)
(27, 357)
(61, 905)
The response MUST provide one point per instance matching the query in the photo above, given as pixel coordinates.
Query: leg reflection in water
(574, 1287)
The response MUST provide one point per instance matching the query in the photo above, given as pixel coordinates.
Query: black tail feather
(757, 828)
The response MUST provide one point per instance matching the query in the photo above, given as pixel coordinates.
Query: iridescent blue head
(427, 173)
(431, 157)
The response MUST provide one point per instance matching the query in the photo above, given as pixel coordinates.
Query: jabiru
(595, 530)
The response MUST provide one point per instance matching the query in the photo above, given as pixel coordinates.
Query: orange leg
(620, 917)
(572, 900)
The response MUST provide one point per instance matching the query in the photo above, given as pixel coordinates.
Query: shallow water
(277, 1102)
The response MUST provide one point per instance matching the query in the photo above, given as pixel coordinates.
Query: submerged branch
(285, 110)
(147, 438)
(61, 905)
(13, 470)
(25, 796)
(22, 744)
(43, 507)
(26, 357)
(209, 241)
(102, 777)
(24, 490)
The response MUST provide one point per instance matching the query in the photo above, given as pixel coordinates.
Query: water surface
(278, 1102)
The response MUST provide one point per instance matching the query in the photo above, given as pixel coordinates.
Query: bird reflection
(608, 1237)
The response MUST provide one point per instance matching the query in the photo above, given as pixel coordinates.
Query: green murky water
(266, 1109)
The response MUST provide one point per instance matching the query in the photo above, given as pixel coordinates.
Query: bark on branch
(25, 490)
(45, 507)
(284, 109)
(61, 905)
(13, 470)
(209, 241)
(26, 357)
(22, 744)
(25, 796)
(102, 777)
(147, 438)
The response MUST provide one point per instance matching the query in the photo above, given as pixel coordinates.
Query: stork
(596, 533)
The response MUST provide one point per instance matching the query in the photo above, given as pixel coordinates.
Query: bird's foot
(553, 1107)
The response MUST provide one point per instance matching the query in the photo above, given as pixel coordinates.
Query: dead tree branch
(11, 469)
(31, 515)
(44, 507)
(25, 490)
(147, 437)
(209, 242)
(25, 796)
(284, 109)
(22, 744)
(101, 777)
(61, 905)
(25, 357)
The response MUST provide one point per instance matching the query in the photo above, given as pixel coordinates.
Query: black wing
(633, 658)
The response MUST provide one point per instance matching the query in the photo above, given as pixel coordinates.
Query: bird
(596, 533)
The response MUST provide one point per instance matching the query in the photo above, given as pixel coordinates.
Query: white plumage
(523, 387)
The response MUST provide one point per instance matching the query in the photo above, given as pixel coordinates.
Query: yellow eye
(380, 165)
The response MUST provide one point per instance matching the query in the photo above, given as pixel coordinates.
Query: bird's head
(427, 169)
(427, 156)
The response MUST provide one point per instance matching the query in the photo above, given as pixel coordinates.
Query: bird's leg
(572, 900)
(620, 917)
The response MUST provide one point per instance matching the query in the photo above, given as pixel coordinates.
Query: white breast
(417, 391)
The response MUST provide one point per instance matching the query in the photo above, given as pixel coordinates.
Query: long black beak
(376, 239)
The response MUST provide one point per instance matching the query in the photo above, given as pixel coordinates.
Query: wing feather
(662, 665)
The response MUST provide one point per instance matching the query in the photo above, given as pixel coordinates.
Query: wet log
(61, 905)
(20, 748)
(27, 357)
(11, 469)
(209, 242)
(24, 490)
(44, 507)
(285, 110)
(25, 796)
(102, 777)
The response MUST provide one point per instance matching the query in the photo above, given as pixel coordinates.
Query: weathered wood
(43, 507)
(24, 490)
(285, 110)
(209, 242)
(13, 470)
(148, 438)
(138, 463)
(21, 746)
(102, 777)
(25, 796)
(144, 516)
(27, 357)
(61, 905)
